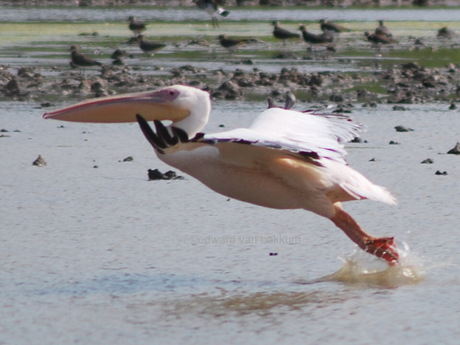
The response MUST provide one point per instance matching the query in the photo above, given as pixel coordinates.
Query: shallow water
(72, 14)
(92, 252)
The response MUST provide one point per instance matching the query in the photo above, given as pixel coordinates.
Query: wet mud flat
(418, 67)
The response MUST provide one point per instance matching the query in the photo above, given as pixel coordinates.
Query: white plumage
(285, 159)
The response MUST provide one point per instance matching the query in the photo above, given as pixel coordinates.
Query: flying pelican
(285, 159)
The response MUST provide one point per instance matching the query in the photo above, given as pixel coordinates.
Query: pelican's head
(187, 107)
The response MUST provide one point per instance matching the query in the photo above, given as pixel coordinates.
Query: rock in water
(39, 162)
(156, 174)
(455, 150)
(403, 129)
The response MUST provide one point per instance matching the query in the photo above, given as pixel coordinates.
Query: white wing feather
(309, 132)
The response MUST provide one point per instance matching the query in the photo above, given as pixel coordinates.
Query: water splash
(363, 269)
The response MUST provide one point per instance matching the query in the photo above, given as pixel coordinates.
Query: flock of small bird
(327, 36)
(137, 27)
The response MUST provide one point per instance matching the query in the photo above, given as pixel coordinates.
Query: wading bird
(149, 47)
(214, 8)
(382, 30)
(285, 159)
(329, 26)
(379, 38)
(136, 26)
(80, 60)
(282, 33)
(232, 43)
(325, 37)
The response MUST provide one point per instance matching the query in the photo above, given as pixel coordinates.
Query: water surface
(73, 14)
(92, 252)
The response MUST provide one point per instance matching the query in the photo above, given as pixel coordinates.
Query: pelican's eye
(168, 94)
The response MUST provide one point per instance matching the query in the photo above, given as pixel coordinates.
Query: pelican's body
(285, 159)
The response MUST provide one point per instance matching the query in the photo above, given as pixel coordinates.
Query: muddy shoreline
(274, 3)
(352, 70)
(406, 83)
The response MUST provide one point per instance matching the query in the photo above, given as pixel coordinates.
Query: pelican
(285, 159)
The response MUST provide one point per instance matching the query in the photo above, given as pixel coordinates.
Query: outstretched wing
(305, 136)
(314, 134)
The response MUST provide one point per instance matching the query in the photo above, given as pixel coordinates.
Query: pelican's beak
(157, 105)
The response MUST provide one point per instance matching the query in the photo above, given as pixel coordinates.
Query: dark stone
(156, 174)
(39, 162)
(455, 150)
(403, 129)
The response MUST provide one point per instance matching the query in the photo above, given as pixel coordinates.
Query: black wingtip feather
(152, 138)
(164, 135)
(180, 134)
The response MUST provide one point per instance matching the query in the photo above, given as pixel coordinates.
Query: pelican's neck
(200, 109)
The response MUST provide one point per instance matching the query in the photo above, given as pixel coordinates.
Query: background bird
(445, 32)
(232, 43)
(289, 101)
(326, 25)
(214, 8)
(382, 30)
(149, 47)
(325, 37)
(136, 26)
(283, 34)
(80, 60)
(379, 38)
(284, 159)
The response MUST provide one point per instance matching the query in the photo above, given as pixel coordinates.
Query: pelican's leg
(381, 247)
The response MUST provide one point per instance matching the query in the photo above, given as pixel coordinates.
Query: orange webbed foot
(383, 248)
